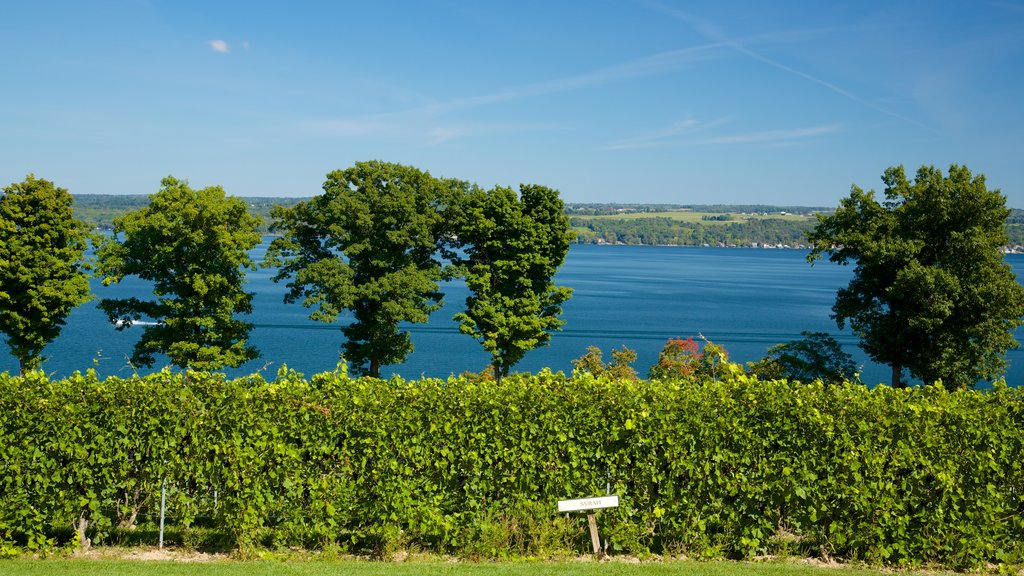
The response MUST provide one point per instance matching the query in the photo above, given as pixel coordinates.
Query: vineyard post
(590, 505)
(163, 503)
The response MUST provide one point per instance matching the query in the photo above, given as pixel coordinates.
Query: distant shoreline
(760, 246)
(1015, 249)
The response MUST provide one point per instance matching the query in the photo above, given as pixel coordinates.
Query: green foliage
(619, 368)
(512, 245)
(931, 291)
(1015, 236)
(678, 359)
(684, 360)
(374, 244)
(193, 246)
(100, 210)
(664, 231)
(370, 244)
(738, 467)
(816, 356)
(42, 275)
(326, 563)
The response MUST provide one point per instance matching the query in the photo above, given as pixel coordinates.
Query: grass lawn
(95, 567)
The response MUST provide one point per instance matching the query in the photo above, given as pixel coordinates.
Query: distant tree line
(612, 208)
(663, 231)
(99, 210)
(1015, 227)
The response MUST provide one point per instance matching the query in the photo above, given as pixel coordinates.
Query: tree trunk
(81, 525)
(131, 500)
(374, 368)
(23, 365)
(897, 376)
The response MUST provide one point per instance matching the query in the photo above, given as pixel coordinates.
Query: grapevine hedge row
(729, 468)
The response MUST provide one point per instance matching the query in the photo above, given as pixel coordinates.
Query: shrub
(735, 467)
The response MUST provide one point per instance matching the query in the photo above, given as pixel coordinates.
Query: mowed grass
(698, 217)
(90, 567)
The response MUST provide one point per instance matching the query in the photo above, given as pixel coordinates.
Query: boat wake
(120, 323)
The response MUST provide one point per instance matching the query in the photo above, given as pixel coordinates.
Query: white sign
(588, 503)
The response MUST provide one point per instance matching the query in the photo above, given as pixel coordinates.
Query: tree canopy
(620, 368)
(193, 246)
(931, 292)
(370, 244)
(684, 360)
(512, 245)
(42, 274)
(816, 356)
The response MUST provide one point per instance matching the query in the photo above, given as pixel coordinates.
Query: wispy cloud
(714, 33)
(772, 137)
(219, 46)
(1011, 6)
(667, 136)
(425, 130)
(432, 123)
(424, 120)
(686, 133)
(442, 133)
(351, 127)
(652, 65)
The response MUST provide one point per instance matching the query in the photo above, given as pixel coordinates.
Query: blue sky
(785, 103)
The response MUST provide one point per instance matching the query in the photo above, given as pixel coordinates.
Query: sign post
(589, 505)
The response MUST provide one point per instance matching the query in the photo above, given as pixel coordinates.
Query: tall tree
(931, 292)
(370, 244)
(512, 245)
(193, 246)
(42, 275)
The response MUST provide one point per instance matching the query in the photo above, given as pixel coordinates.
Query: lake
(638, 296)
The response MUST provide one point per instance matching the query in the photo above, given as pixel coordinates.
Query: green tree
(193, 246)
(370, 244)
(512, 245)
(684, 360)
(816, 356)
(620, 368)
(42, 273)
(931, 292)
(678, 359)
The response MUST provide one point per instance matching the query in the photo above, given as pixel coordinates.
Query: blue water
(744, 299)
